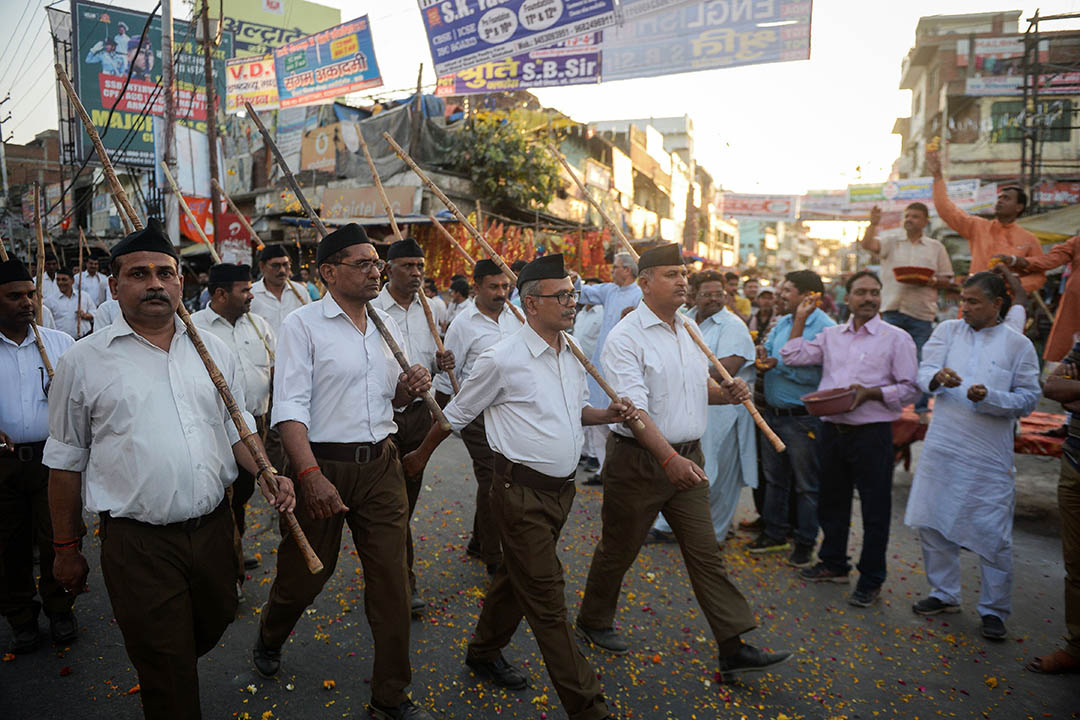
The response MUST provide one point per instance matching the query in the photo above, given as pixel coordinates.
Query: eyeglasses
(364, 265)
(567, 298)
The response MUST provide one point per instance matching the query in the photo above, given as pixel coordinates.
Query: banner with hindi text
(569, 62)
(326, 65)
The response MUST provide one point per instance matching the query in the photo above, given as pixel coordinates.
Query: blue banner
(466, 33)
(693, 36)
(570, 62)
(326, 65)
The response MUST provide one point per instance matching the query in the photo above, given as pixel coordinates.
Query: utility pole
(211, 116)
(168, 82)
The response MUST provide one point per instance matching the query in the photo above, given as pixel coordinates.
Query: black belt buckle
(24, 453)
(366, 453)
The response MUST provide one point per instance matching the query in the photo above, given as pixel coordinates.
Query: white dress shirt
(454, 309)
(272, 310)
(146, 427)
(471, 333)
(254, 362)
(662, 372)
(334, 379)
(47, 319)
(63, 309)
(96, 286)
(438, 309)
(24, 407)
(531, 399)
(419, 346)
(106, 314)
(48, 284)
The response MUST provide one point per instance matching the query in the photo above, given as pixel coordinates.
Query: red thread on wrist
(664, 464)
(65, 544)
(311, 469)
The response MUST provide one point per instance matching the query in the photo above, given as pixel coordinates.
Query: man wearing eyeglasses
(271, 298)
(398, 299)
(651, 358)
(532, 393)
(24, 481)
(335, 390)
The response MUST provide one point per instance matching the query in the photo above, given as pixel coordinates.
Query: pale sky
(781, 128)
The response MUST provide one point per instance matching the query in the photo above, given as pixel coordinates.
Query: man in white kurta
(728, 443)
(984, 376)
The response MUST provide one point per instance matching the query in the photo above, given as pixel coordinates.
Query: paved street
(850, 663)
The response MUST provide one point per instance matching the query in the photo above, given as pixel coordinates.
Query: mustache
(155, 295)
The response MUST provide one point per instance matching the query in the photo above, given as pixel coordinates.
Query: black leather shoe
(993, 628)
(416, 603)
(607, 639)
(749, 659)
(250, 563)
(498, 672)
(267, 661)
(63, 628)
(473, 549)
(405, 711)
(24, 639)
(493, 568)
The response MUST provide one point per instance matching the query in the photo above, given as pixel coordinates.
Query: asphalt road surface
(881, 662)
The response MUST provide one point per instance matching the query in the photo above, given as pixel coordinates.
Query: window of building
(1053, 116)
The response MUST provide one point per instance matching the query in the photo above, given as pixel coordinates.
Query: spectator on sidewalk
(1067, 319)
(989, 237)
(737, 304)
(794, 473)
(1064, 386)
(764, 317)
(909, 307)
(878, 362)
(984, 376)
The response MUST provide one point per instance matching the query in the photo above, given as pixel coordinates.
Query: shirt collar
(215, 316)
(872, 326)
(648, 317)
(120, 328)
(388, 298)
(537, 345)
(28, 340)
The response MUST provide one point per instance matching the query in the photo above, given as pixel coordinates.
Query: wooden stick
(190, 215)
(261, 336)
(628, 247)
(397, 234)
(3, 251)
(472, 262)
(40, 253)
(78, 302)
(41, 351)
(250, 439)
(635, 424)
(429, 400)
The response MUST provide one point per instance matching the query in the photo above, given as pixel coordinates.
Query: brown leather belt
(24, 452)
(683, 449)
(358, 453)
(525, 475)
(186, 525)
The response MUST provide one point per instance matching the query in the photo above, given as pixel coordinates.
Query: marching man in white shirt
(93, 282)
(478, 326)
(139, 434)
(24, 481)
(651, 358)
(248, 337)
(532, 393)
(274, 294)
(398, 300)
(72, 314)
(336, 385)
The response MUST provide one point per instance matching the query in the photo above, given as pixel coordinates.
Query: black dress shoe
(607, 639)
(493, 568)
(24, 639)
(993, 628)
(498, 672)
(593, 480)
(473, 549)
(63, 628)
(749, 659)
(416, 603)
(250, 563)
(267, 661)
(405, 711)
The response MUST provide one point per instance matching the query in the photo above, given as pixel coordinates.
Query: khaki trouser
(1069, 506)
(173, 592)
(413, 424)
(378, 517)
(25, 522)
(485, 529)
(530, 584)
(635, 490)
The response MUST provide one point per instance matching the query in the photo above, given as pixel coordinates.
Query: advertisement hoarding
(251, 80)
(762, 207)
(259, 26)
(328, 64)
(570, 62)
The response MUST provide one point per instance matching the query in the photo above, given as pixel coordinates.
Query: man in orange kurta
(1067, 319)
(1000, 236)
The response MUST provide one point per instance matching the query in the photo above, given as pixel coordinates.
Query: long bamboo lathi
(304, 298)
(40, 294)
(635, 424)
(429, 400)
(397, 234)
(190, 215)
(748, 404)
(249, 438)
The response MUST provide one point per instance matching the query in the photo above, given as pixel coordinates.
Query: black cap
(343, 237)
(228, 272)
(13, 271)
(669, 254)
(65, 271)
(483, 268)
(269, 252)
(542, 268)
(151, 238)
(405, 248)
